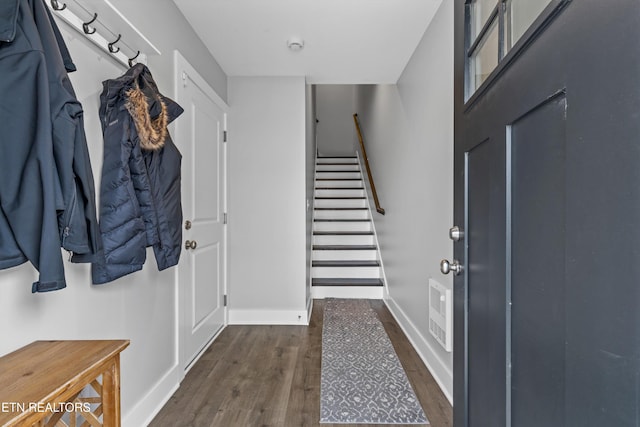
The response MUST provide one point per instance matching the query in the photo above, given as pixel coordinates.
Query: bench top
(47, 371)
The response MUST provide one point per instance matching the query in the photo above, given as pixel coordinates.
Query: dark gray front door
(547, 192)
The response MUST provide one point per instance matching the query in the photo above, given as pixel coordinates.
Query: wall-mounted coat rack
(106, 27)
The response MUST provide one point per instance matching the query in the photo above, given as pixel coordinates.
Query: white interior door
(202, 268)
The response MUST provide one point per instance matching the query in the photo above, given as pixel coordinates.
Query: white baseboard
(360, 292)
(440, 372)
(268, 317)
(148, 407)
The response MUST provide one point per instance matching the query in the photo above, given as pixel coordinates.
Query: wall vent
(440, 321)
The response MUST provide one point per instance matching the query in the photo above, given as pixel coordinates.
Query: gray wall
(141, 306)
(267, 200)
(335, 105)
(409, 133)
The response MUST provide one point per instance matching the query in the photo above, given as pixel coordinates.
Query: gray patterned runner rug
(362, 380)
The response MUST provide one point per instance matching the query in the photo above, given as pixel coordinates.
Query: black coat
(47, 195)
(140, 202)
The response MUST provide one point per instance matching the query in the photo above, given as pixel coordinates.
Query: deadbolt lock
(187, 225)
(456, 233)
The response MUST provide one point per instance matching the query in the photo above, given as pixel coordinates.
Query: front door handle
(190, 244)
(446, 266)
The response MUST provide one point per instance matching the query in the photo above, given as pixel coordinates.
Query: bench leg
(111, 394)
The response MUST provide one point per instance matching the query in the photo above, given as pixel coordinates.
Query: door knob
(190, 244)
(456, 233)
(446, 267)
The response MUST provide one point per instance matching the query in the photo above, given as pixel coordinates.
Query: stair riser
(340, 193)
(342, 167)
(336, 160)
(346, 272)
(340, 214)
(359, 292)
(320, 184)
(343, 240)
(344, 255)
(342, 226)
(340, 203)
(339, 175)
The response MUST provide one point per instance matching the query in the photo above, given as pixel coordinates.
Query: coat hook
(85, 25)
(56, 6)
(132, 59)
(111, 49)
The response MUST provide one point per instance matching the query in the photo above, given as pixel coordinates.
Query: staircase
(345, 256)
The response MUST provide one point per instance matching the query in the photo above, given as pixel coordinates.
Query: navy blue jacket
(140, 202)
(47, 195)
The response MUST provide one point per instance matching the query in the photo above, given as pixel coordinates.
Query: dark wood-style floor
(270, 376)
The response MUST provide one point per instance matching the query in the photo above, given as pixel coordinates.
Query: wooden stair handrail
(366, 164)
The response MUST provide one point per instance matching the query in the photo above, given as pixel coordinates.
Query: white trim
(182, 70)
(115, 22)
(373, 226)
(360, 292)
(148, 407)
(313, 219)
(177, 322)
(268, 317)
(309, 310)
(225, 208)
(181, 64)
(440, 372)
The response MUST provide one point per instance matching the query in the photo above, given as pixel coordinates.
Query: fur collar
(151, 132)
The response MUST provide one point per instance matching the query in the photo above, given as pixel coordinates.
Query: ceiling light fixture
(295, 44)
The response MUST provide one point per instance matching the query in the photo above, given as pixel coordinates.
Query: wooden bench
(41, 382)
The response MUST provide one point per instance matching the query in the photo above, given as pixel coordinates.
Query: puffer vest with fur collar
(140, 202)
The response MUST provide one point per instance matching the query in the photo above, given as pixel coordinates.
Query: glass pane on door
(480, 11)
(520, 16)
(484, 58)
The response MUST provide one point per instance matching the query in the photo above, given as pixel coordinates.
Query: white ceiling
(346, 41)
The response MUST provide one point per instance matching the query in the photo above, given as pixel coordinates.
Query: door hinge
(225, 300)
(184, 79)
(224, 136)
(225, 218)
